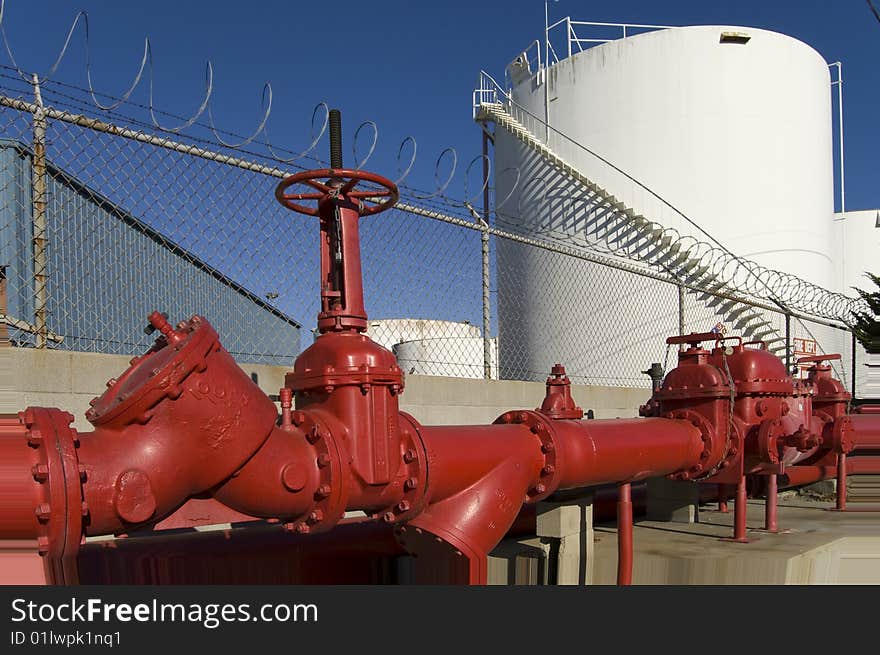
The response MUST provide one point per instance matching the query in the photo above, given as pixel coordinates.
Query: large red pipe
(866, 432)
(19, 496)
(867, 409)
(625, 450)
(463, 454)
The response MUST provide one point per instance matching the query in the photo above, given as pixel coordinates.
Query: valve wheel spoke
(378, 193)
(303, 196)
(370, 201)
(348, 186)
(320, 186)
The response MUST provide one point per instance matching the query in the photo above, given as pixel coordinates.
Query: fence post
(788, 343)
(484, 241)
(680, 309)
(853, 351)
(39, 191)
(4, 308)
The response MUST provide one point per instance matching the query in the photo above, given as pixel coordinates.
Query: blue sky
(409, 66)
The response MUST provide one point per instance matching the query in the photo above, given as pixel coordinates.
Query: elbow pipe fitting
(182, 419)
(471, 522)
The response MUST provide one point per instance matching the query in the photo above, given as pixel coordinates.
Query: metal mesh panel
(136, 227)
(16, 225)
(605, 325)
(422, 286)
(111, 221)
(132, 227)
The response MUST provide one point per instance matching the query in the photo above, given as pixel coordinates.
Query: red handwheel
(338, 183)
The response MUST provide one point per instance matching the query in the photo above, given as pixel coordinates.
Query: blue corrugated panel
(107, 271)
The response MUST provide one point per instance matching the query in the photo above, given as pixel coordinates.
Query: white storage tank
(458, 357)
(857, 250)
(731, 125)
(390, 331)
(435, 347)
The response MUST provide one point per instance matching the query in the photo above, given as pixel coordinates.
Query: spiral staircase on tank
(623, 231)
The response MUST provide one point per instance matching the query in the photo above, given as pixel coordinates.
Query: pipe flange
(415, 477)
(842, 441)
(699, 470)
(735, 448)
(769, 434)
(60, 511)
(542, 427)
(157, 374)
(330, 495)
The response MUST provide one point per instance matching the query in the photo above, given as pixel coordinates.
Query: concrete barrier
(66, 379)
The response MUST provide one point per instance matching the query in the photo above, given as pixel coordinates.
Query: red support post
(771, 503)
(624, 535)
(739, 513)
(840, 505)
(722, 499)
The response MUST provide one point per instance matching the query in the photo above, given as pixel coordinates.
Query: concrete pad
(673, 500)
(518, 562)
(816, 547)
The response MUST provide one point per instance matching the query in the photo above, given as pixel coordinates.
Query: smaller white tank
(390, 331)
(457, 357)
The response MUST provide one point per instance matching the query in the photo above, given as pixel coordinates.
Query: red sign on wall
(805, 346)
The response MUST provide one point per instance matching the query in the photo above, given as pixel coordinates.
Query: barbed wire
(719, 264)
(706, 254)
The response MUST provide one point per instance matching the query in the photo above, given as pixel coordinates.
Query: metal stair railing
(678, 245)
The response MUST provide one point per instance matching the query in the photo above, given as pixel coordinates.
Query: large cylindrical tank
(734, 132)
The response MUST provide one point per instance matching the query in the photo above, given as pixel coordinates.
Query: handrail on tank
(489, 90)
(573, 39)
(529, 60)
(497, 91)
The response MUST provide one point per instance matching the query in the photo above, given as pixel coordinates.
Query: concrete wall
(68, 380)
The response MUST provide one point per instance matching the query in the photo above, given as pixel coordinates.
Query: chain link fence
(103, 221)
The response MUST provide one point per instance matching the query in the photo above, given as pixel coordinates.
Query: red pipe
(624, 535)
(461, 455)
(19, 495)
(840, 503)
(866, 431)
(863, 465)
(624, 450)
(798, 476)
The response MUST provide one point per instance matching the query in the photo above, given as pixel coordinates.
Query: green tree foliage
(866, 324)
